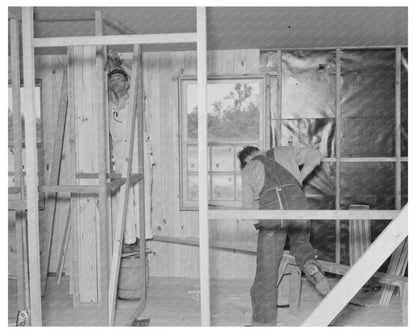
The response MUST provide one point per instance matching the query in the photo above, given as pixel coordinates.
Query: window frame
(189, 205)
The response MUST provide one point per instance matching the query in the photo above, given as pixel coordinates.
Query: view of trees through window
(235, 119)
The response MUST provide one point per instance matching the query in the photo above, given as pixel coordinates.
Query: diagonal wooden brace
(125, 189)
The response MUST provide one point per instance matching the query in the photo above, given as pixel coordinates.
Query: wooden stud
(124, 192)
(64, 248)
(72, 170)
(202, 166)
(224, 214)
(85, 189)
(18, 167)
(360, 273)
(55, 167)
(115, 40)
(94, 175)
(394, 267)
(338, 136)
(398, 186)
(100, 109)
(359, 235)
(278, 121)
(31, 166)
(142, 194)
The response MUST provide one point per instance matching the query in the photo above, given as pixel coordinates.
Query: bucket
(130, 283)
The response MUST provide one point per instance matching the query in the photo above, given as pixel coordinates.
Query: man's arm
(308, 157)
(253, 181)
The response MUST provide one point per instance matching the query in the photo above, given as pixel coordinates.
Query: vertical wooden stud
(338, 156)
(31, 166)
(202, 165)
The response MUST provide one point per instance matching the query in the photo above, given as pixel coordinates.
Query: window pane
(193, 187)
(233, 110)
(222, 158)
(223, 187)
(193, 158)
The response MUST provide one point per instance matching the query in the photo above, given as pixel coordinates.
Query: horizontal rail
(363, 159)
(14, 190)
(250, 249)
(223, 214)
(17, 205)
(94, 175)
(115, 40)
(85, 189)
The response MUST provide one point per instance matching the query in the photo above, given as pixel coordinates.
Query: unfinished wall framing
(160, 76)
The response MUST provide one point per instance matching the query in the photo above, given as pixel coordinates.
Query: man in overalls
(272, 180)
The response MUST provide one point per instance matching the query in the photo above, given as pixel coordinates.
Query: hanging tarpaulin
(367, 104)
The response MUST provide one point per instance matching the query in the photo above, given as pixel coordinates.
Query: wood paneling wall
(161, 70)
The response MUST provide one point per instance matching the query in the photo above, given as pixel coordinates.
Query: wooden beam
(360, 273)
(401, 252)
(18, 164)
(17, 205)
(398, 167)
(55, 170)
(338, 136)
(101, 111)
(85, 189)
(124, 192)
(113, 175)
(74, 263)
(140, 164)
(115, 40)
(64, 247)
(31, 166)
(201, 24)
(224, 214)
(327, 266)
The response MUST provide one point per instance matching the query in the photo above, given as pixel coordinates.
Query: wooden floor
(175, 302)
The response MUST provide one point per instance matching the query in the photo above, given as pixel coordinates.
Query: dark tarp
(367, 124)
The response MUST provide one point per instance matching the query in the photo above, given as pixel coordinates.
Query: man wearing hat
(119, 101)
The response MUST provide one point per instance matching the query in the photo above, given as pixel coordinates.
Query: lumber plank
(124, 193)
(20, 229)
(64, 247)
(85, 189)
(115, 40)
(100, 106)
(74, 263)
(55, 167)
(224, 214)
(202, 165)
(338, 135)
(327, 266)
(360, 273)
(31, 166)
(141, 192)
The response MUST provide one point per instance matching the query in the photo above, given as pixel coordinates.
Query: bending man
(272, 180)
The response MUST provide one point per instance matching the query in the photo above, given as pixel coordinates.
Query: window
(235, 119)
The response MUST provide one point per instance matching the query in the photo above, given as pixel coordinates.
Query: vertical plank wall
(161, 71)
(49, 69)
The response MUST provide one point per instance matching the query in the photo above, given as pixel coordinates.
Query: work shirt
(289, 157)
(119, 147)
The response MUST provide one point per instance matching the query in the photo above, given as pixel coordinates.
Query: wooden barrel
(130, 283)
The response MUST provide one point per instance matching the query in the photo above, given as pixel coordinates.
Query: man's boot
(317, 277)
